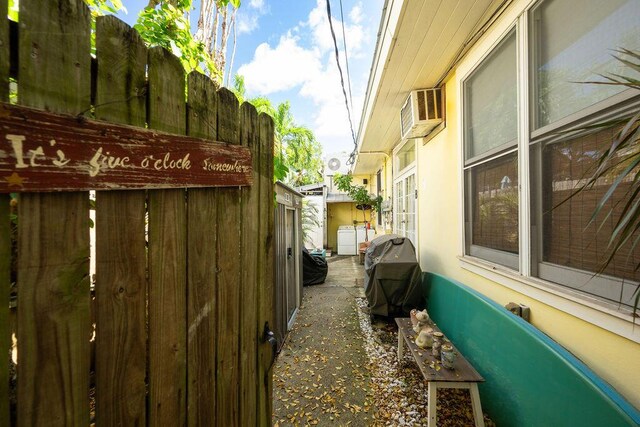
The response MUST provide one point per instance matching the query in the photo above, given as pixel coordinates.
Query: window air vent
(421, 113)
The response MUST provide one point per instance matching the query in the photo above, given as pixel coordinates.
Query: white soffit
(417, 43)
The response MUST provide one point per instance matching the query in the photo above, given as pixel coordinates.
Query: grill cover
(392, 277)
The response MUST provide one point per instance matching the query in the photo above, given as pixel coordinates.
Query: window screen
(491, 101)
(491, 163)
(574, 44)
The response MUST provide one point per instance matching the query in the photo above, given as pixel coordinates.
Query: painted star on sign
(14, 180)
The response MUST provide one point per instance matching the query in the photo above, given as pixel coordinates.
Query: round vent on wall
(334, 164)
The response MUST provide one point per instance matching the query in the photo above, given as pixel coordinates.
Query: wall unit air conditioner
(336, 163)
(421, 112)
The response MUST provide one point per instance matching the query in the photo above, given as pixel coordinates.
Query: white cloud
(247, 18)
(321, 33)
(330, 121)
(246, 22)
(281, 68)
(304, 59)
(356, 14)
(319, 26)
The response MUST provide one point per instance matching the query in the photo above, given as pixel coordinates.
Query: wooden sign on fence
(41, 151)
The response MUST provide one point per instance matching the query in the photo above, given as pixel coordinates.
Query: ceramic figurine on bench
(419, 319)
(412, 316)
(425, 338)
(437, 344)
(447, 356)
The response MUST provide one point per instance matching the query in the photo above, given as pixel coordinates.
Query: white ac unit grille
(406, 116)
(421, 113)
(336, 163)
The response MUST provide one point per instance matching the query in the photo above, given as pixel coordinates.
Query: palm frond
(620, 161)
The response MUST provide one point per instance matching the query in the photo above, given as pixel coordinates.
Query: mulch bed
(312, 387)
(399, 389)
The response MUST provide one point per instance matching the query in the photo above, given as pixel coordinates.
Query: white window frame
(597, 311)
(488, 254)
(396, 160)
(401, 175)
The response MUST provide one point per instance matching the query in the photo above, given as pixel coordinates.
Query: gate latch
(269, 336)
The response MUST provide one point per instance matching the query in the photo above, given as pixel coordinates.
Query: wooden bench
(463, 375)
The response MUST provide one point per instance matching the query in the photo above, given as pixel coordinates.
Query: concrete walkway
(321, 376)
(338, 369)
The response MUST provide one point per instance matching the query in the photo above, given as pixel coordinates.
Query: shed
(288, 267)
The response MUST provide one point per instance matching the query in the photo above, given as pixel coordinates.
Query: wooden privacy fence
(184, 276)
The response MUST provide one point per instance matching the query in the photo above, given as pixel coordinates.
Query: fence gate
(169, 329)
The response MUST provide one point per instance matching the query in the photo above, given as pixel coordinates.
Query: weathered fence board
(266, 251)
(229, 274)
(5, 234)
(5, 285)
(201, 264)
(249, 136)
(184, 277)
(167, 255)
(54, 152)
(121, 260)
(4, 51)
(53, 233)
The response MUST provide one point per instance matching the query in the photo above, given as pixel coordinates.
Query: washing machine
(347, 240)
(361, 235)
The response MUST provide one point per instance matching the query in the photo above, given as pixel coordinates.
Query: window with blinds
(491, 161)
(569, 46)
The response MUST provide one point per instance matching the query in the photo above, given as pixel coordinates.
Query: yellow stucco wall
(615, 358)
(590, 337)
(339, 214)
(346, 213)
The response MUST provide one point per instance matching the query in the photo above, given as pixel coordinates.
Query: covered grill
(392, 276)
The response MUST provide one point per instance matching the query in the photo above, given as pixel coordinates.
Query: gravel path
(336, 368)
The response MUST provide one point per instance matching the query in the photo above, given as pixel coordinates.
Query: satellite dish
(334, 164)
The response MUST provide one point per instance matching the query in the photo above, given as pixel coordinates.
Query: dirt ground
(336, 368)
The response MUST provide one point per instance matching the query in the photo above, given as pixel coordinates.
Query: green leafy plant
(13, 10)
(297, 159)
(619, 163)
(309, 220)
(363, 199)
(167, 25)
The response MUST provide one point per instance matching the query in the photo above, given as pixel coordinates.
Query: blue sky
(285, 52)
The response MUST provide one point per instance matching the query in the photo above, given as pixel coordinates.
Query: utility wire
(346, 56)
(344, 91)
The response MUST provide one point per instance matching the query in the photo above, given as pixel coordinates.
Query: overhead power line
(346, 55)
(344, 91)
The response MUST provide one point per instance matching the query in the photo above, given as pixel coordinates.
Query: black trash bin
(392, 278)
(314, 268)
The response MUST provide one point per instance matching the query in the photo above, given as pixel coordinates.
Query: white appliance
(336, 163)
(360, 234)
(347, 240)
(421, 112)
